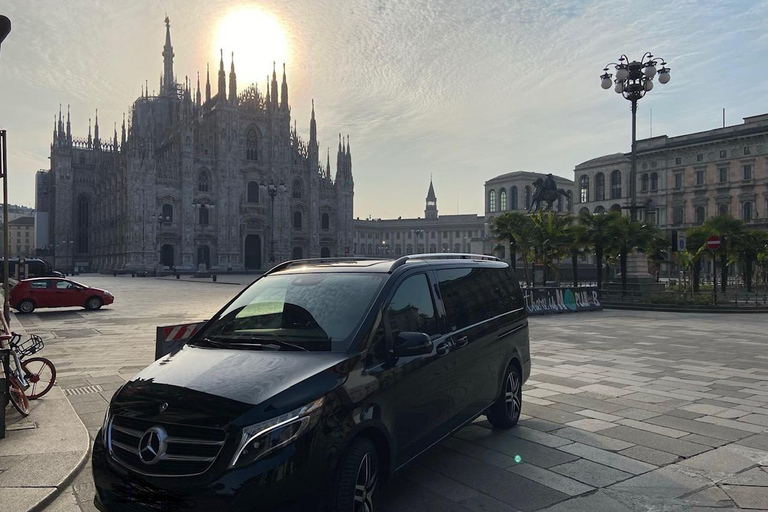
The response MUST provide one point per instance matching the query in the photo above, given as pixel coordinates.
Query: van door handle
(443, 349)
(463, 341)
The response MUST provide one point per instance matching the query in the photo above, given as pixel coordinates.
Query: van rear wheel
(358, 478)
(505, 412)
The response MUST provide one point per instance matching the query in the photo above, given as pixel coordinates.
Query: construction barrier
(542, 301)
(170, 338)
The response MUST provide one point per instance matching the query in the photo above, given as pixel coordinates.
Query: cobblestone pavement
(624, 411)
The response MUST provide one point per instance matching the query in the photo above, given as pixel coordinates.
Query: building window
(677, 215)
(584, 189)
(527, 197)
(644, 183)
(83, 218)
(747, 151)
(297, 189)
(722, 175)
(699, 177)
(203, 218)
(747, 171)
(723, 153)
(503, 200)
(650, 216)
(746, 210)
(616, 184)
(700, 157)
(678, 160)
(296, 220)
(513, 198)
(492, 201)
(700, 214)
(203, 182)
(251, 145)
(679, 180)
(599, 187)
(654, 182)
(253, 192)
(167, 213)
(325, 222)
(723, 208)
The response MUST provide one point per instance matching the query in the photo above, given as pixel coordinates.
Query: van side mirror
(412, 344)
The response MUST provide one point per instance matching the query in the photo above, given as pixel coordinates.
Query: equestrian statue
(546, 191)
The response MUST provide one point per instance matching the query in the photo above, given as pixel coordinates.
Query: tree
(628, 235)
(728, 229)
(515, 228)
(598, 233)
(551, 242)
(695, 245)
(748, 244)
(577, 237)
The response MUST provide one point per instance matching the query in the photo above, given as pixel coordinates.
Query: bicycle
(37, 371)
(15, 383)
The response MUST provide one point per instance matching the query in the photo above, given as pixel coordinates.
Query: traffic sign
(681, 240)
(713, 243)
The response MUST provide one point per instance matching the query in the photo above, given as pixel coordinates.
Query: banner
(542, 301)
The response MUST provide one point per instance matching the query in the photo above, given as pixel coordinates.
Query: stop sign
(713, 242)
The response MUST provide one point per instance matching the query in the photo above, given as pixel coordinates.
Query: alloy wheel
(512, 396)
(365, 485)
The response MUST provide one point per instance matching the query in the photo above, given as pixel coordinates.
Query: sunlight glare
(258, 40)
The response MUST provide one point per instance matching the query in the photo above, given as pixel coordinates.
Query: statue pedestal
(638, 277)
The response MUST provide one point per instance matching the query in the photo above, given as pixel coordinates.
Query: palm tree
(515, 228)
(551, 239)
(695, 245)
(728, 229)
(597, 227)
(749, 244)
(627, 236)
(577, 237)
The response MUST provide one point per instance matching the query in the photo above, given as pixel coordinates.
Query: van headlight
(263, 438)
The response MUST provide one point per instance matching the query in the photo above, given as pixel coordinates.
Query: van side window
(464, 293)
(411, 308)
(502, 292)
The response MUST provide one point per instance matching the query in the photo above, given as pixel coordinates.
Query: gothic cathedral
(197, 181)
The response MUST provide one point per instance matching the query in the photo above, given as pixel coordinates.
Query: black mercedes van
(316, 383)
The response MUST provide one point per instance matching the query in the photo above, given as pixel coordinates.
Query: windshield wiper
(253, 342)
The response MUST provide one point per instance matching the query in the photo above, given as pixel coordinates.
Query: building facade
(432, 234)
(681, 181)
(197, 181)
(21, 237)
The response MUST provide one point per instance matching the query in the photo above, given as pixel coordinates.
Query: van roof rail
(441, 256)
(293, 263)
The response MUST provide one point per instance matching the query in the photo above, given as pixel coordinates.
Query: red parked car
(56, 292)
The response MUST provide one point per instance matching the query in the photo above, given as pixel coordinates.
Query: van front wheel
(505, 411)
(358, 478)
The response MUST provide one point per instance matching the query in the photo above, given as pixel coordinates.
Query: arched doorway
(166, 255)
(252, 252)
(297, 253)
(204, 256)
(325, 252)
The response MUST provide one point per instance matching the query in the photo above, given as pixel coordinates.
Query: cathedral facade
(196, 181)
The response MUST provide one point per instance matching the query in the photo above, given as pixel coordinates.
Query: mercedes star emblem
(152, 445)
(164, 407)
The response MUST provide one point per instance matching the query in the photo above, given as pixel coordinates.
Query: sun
(257, 38)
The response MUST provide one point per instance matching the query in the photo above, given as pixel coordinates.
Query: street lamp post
(272, 191)
(633, 80)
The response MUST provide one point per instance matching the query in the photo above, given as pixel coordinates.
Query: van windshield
(313, 311)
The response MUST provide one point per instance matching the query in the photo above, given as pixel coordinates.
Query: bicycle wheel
(41, 375)
(18, 398)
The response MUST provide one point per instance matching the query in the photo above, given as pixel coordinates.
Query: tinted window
(502, 291)
(463, 291)
(411, 308)
(312, 308)
(38, 285)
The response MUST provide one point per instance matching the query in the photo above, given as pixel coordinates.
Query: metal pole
(272, 234)
(633, 169)
(6, 241)
(714, 278)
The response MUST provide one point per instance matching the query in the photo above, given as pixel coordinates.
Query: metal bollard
(177, 276)
(3, 402)
(214, 277)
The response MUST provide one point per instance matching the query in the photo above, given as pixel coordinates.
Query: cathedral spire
(114, 139)
(269, 98)
(430, 211)
(284, 91)
(313, 125)
(222, 79)
(96, 140)
(61, 124)
(69, 127)
(274, 84)
(55, 132)
(90, 140)
(207, 83)
(197, 95)
(122, 135)
(168, 86)
(328, 163)
(232, 81)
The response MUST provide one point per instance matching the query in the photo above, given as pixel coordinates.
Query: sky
(459, 90)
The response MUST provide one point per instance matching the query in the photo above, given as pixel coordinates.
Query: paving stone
(483, 503)
(656, 441)
(637, 414)
(591, 473)
(439, 484)
(597, 502)
(732, 414)
(707, 441)
(548, 414)
(491, 457)
(698, 427)
(565, 407)
(550, 479)
(748, 497)
(604, 390)
(719, 463)
(539, 393)
(585, 402)
(754, 477)
(598, 415)
(592, 439)
(509, 488)
(663, 483)
(731, 423)
(607, 458)
(649, 455)
(710, 497)
(656, 429)
(529, 434)
(48, 472)
(590, 425)
(511, 446)
(21, 499)
(756, 419)
(414, 498)
(539, 424)
(758, 442)
(703, 409)
(678, 413)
